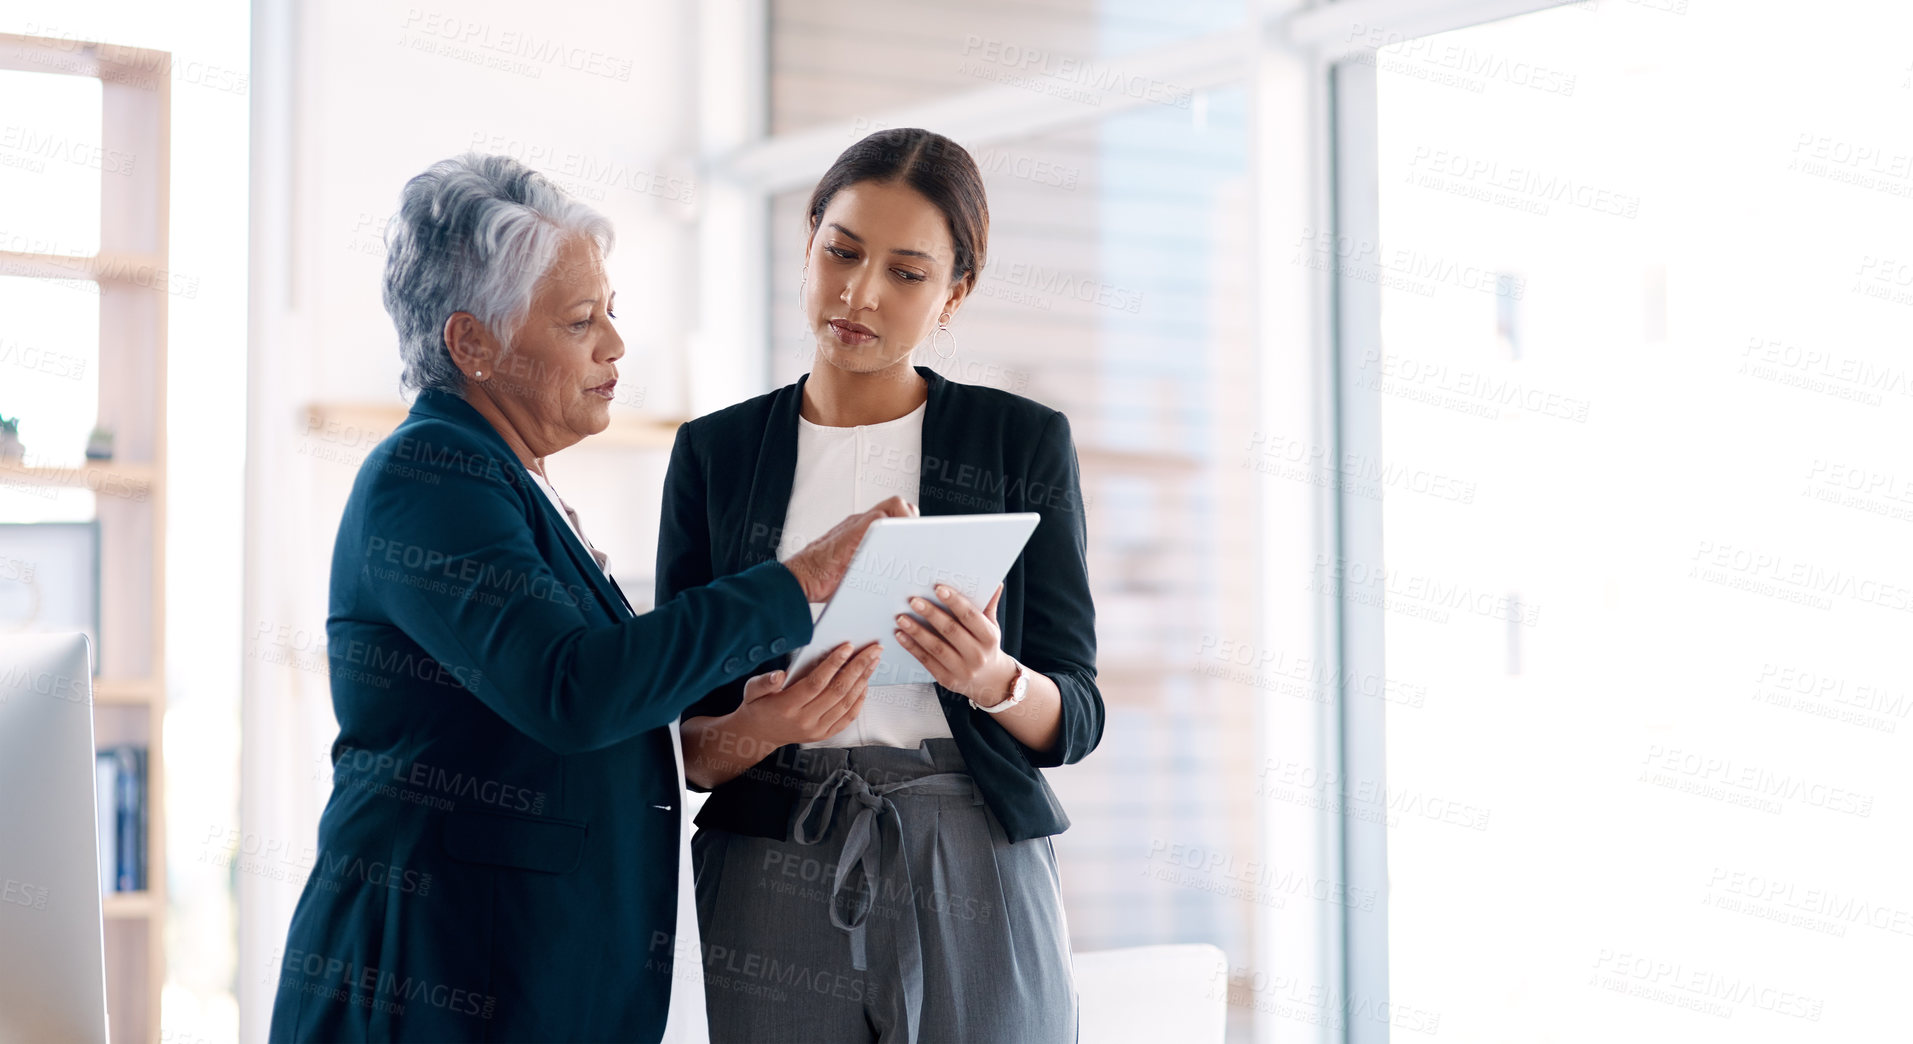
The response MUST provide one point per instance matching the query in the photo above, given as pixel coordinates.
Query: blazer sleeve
(448, 557)
(1059, 618)
(685, 559)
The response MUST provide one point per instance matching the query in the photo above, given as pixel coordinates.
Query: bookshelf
(129, 271)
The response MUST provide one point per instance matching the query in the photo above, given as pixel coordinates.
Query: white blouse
(841, 471)
(685, 1021)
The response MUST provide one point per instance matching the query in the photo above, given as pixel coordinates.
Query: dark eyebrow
(898, 250)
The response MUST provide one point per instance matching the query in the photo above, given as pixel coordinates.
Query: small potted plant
(99, 445)
(10, 446)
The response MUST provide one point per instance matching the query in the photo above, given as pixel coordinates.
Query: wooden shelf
(132, 272)
(1125, 462)
(109, 266)
(129, 906)
(125, 692)
(105, 477)
(363, 424)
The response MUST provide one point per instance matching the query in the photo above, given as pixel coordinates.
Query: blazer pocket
(545, 845)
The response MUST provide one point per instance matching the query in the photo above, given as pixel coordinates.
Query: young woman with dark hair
(877, 866)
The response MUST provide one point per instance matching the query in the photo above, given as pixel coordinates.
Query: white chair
(1153, 994)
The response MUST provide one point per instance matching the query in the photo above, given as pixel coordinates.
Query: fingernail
(942, 591)
(918, 603)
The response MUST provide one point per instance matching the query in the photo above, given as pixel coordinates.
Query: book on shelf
(119, 791)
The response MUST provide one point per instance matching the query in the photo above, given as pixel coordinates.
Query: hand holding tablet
(902, 558)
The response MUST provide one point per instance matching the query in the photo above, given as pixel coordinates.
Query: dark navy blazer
(499, 856)
(984, 451)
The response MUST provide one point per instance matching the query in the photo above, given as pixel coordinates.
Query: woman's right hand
(813, 707)
(821, 565)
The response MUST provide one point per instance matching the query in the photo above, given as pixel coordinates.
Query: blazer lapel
(769, 498)
(446, 406)
(936, 486)
(587, 566)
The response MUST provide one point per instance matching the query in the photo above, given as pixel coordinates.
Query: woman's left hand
(961, 647)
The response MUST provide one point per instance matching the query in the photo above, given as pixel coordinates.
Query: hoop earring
(944, 329)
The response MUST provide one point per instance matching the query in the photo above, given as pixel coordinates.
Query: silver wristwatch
(1018, 689)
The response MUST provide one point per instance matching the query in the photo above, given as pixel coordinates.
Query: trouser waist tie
(876, 814)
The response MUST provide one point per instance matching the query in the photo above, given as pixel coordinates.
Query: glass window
(1646, 296)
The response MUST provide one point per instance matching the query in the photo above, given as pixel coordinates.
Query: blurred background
(1486, 410)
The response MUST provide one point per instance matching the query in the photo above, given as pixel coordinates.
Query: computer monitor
(52, 929)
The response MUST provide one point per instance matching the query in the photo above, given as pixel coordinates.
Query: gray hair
(474, 233)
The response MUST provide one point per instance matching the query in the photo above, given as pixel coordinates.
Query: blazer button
(778, 647)
(733, 664)
(756, 654)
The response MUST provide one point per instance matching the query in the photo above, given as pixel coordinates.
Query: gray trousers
(894, 909)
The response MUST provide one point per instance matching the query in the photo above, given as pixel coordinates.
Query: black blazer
(984, 451)
(499, 856)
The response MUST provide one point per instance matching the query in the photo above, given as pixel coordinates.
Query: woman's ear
(957, 295)
(471, 346)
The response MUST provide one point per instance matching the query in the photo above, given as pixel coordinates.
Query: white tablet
(901, 558)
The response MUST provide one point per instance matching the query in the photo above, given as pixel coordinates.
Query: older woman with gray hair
(502, 854)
